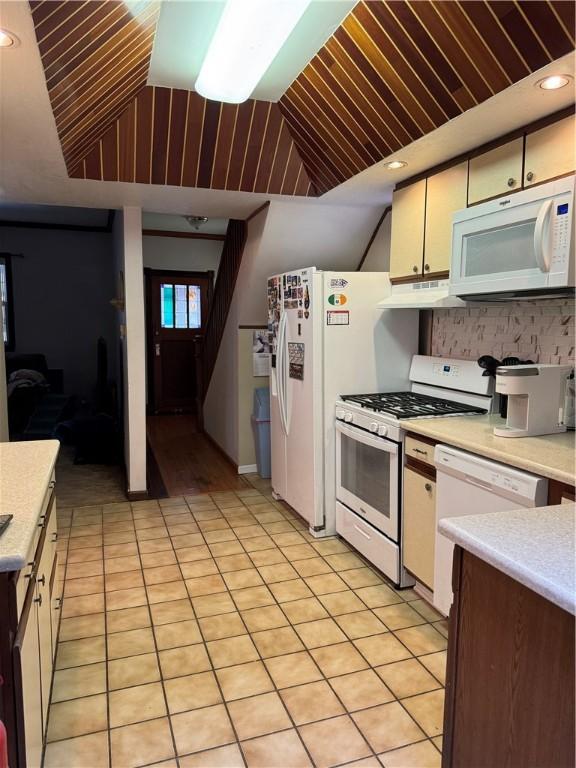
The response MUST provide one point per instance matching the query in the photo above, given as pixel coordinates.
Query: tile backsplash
(542, 331)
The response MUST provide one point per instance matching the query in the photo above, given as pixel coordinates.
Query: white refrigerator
(328, 338)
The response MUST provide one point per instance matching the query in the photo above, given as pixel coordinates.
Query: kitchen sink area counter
(535, 547)
(26, 469)
(551, 456)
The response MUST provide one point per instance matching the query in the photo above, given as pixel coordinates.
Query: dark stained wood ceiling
(178, 138)
(96, 57)
(394, 71)
(391, 73)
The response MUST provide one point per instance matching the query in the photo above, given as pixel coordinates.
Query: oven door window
(368, 480)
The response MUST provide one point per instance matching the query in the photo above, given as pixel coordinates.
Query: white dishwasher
(467, 484)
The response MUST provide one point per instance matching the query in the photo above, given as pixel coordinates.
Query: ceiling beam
(185, 235)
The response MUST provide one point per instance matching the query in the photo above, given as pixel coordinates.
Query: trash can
(261, 429)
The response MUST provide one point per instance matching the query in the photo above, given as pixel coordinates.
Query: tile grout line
(229, 521)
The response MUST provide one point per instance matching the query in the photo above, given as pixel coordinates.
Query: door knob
(428, 487)
(511, 182)
(529, 176)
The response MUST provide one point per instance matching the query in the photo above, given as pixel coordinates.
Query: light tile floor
(215, 631)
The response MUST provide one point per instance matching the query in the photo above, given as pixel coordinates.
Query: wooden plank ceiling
(391, 73)
(176, 137)
(394, 71)
(96, 57)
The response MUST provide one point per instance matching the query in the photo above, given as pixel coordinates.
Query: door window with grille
(180, 306)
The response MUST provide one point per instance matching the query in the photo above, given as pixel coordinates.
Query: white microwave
(519, 246)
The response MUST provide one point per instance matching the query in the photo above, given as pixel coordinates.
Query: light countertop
(536, 547)
(25, 472)
(551, 456)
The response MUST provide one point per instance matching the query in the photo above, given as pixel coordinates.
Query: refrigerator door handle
(280, 371)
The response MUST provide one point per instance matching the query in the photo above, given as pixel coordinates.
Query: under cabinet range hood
(432, 294)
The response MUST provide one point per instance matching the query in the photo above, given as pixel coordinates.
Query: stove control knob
(382, 430)
(348, 417)
(340, 413)
(373, 427)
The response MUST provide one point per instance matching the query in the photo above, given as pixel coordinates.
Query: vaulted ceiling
(392, 72)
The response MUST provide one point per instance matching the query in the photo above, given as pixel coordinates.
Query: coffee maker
(536, 399)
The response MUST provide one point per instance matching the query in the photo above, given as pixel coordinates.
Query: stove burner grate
(410, 405)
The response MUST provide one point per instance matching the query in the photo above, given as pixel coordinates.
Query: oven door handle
(381, 443)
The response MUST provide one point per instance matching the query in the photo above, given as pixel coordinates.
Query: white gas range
(369, 451)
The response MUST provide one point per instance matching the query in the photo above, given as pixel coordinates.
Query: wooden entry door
(177, 310)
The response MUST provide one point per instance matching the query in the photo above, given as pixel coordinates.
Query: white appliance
(519, 246)
(430, 294)
(470, 485)
(327, 337)
(369, 452)
(536, 399)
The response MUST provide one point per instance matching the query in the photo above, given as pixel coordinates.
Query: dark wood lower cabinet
(510, 677)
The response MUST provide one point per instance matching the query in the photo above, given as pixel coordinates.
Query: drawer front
(419, 450)
(375, 547)
(31, 566)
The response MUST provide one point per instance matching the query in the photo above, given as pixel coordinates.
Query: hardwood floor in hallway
(187, 460)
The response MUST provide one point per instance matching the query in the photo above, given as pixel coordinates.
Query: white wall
(128, 240)
(182, 253)
(378, 257)
(300, 235)
(284, 236)
(221, 404)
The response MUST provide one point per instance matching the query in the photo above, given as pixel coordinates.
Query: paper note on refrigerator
(296, 360)
(261, 353)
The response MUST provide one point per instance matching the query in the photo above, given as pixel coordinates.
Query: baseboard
(244, 469)
(137, 495)
(220, 450)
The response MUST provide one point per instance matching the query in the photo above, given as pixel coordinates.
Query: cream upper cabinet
(419, 526)
(407, 238)
(446, 192)
(550, 152)
(496, 172)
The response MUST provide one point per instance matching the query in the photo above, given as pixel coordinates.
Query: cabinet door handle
(42, 580)
(529, 176)
(427, 267)
(428, 487)
(54, 536)
(414, 268)
(41, 521)
(419, 450)
(38, 600)
(511, 182)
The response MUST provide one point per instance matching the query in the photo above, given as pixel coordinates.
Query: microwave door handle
(542, 236)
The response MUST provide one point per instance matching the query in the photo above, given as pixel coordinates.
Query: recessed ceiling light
(553, 82)
(395, 164)
(7, 39)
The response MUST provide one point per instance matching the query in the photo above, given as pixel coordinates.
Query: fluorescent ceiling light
(249, 35)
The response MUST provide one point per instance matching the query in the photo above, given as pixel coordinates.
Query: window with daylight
(180, 306)
(6, 300)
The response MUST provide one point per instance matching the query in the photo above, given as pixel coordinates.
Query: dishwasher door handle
(478, 483)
